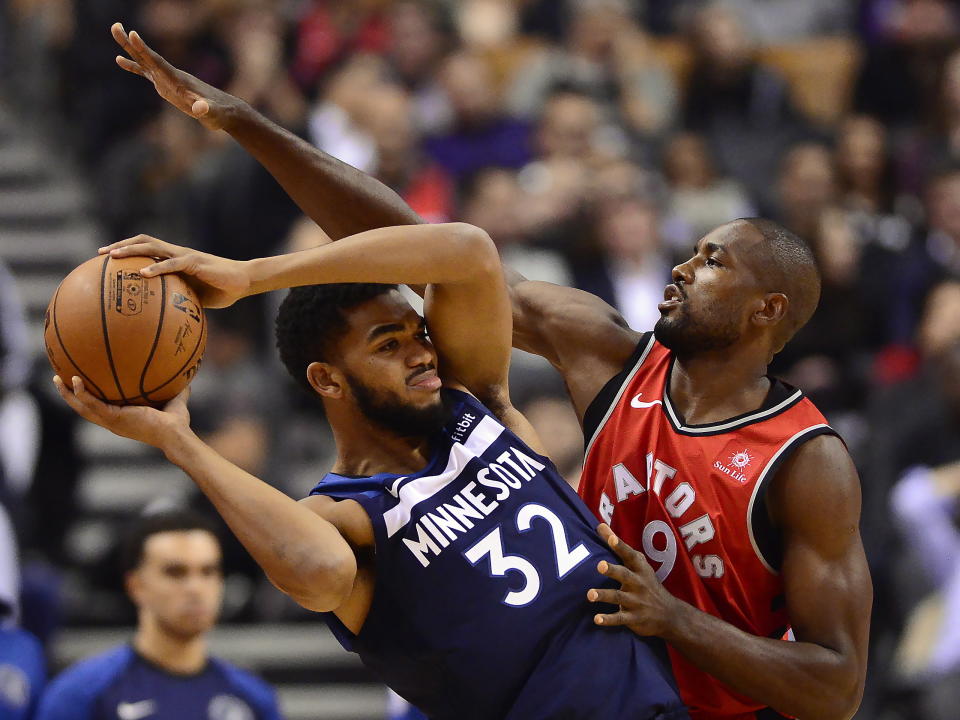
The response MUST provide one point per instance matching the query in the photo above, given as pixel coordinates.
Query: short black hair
(788, 266)
(312, 318)
(146, 526)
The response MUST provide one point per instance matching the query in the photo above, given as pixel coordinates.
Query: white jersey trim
(422, 488)
(616, 400)
(713, 428)
(763, 479)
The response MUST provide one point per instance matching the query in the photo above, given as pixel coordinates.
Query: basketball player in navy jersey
(770, 513)
(443, 547)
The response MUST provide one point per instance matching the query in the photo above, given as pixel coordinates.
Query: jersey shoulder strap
(601, 407)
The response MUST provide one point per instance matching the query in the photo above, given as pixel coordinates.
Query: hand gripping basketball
(217, 281)
(646, 607)
(137, 422)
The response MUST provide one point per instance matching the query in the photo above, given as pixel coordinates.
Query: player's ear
(134, 586)
(772, 310)
(326, 380)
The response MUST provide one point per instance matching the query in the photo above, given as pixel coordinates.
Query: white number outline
(500, 563)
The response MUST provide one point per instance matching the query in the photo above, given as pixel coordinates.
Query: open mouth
(672, 296)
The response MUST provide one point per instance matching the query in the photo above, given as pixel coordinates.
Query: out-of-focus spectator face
(416, 42)
(940, 324)
(171, 21)
(943, 205)
(558, 428)
(807, 181)
(352, 84)
(951, 84)
(568, 126)
(629, 229)
(862, 151)
(687, 162)
(493, 204)
(387, 115)
(949, 367)
(837, 249)
(920, 22)
(487, 24)
(470, 87)
(595, 26)
(178, 584)
(721, 39)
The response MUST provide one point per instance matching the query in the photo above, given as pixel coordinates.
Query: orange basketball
(133, 340)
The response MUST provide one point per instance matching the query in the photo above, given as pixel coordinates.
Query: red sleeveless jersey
(692, 498)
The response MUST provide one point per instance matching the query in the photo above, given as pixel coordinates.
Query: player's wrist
(175, 441)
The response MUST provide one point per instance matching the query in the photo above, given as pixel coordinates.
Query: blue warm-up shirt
(121, 685)
(22, 674)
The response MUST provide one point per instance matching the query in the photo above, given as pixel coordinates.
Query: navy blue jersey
(121, 685)
(483, 562)
(22, 673)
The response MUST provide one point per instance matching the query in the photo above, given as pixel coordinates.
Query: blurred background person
(22, 663)
(173, 575)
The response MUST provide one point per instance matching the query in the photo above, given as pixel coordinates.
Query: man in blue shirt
(173, 576)
(22, 668)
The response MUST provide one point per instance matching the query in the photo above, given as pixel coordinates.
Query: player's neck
(181, 656)
(715, 387)
(365, 449)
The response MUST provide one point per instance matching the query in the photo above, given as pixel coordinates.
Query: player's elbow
(841, 701)
(477, 249)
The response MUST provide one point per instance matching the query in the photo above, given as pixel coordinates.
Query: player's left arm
(466, 303)
(815, 501)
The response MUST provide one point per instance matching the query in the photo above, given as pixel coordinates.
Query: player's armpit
(815, 500)
(582, 336)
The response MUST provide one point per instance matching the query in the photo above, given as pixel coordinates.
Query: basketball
(133, 340)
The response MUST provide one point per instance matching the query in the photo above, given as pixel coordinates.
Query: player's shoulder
(249, 686)
(78, 687)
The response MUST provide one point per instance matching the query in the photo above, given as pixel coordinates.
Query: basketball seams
(106, 333)
(63, 346)
(156, 337)
(186, 364)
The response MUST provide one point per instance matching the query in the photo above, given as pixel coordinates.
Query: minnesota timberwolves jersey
(484, 559)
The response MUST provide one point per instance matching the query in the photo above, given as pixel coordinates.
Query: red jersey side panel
(692, 498)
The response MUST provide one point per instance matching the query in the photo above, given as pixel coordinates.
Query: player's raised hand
(645, 605)
(137, 422)
(219, 282)
(212, 107)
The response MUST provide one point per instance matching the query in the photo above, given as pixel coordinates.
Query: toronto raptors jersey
(692, 497)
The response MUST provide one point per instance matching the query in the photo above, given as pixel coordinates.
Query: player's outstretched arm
(339, 198)
(815, 500)
(303, 554)
(549, 320)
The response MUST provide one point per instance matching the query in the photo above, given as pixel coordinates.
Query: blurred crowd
(595, 140)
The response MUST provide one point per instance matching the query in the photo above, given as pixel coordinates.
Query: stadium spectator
(173, 576)
(806, 186)
(742, 107)
(604, 56)
(700, 198)
(926, 508)
(387, 115)
(22, 665)
(481, 134)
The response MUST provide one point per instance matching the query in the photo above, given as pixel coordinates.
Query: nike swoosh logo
(639, 405)
(137, 710)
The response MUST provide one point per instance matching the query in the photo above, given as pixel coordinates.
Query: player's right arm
(582, 336)
(301, 552)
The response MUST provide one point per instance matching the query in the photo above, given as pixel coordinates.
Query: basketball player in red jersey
(744, 502)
